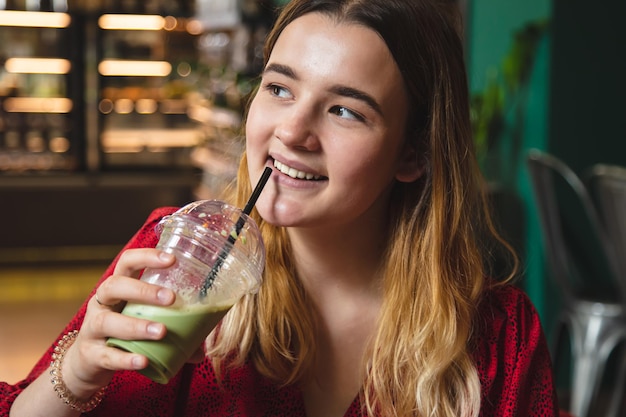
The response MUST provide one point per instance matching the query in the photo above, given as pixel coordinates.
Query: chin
(276, 214)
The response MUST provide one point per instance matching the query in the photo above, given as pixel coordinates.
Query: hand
(89, 364)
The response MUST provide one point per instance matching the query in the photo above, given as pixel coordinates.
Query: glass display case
(146, 68)
(118, 107)
(72, 114)
(41, 74)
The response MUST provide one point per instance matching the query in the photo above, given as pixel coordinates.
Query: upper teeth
(294, 173)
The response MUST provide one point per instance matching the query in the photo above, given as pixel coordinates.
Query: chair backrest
(579, 254)
(607, 184)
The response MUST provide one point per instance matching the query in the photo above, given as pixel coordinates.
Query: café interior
(109, 109)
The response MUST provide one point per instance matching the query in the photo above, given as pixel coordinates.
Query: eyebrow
(281, 69)
(339, 90)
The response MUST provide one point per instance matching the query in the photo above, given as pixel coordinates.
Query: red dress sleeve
(145, 237)
(512, 358)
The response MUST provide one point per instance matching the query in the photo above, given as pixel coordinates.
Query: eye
(277, 90)
(346, 113)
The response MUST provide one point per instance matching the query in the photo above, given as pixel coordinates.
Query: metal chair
(583, 263)
(607, 185)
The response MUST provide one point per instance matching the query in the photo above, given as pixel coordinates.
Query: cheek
(364, 161)
(257, 128)
(370, 169)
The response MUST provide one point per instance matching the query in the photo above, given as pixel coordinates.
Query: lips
(296, 174)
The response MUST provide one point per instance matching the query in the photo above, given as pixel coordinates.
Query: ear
(409, 166)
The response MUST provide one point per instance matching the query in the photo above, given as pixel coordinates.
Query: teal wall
(490, 28)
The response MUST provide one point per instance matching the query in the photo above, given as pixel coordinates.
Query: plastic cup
(205, 237)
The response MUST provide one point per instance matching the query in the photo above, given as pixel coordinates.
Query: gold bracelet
(57, 378)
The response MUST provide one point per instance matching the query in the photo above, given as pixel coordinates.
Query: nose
(298, 129)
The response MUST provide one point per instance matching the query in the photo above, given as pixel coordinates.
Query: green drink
(215, 266)
(186, 329)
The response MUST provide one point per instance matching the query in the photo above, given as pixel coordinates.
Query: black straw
(232, 237)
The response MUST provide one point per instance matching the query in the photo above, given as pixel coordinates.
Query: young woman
(380, 297)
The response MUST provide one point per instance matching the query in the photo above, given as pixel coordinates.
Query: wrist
(82, 401)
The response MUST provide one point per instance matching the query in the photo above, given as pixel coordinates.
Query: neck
(347, 260)
(340, 271)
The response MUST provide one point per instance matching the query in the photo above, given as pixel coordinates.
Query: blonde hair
(442, 242)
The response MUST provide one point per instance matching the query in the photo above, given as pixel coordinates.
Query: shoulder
(158, 213)
(506, 303)
(511, 356)
(507, 321)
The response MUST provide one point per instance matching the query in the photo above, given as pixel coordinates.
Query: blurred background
(110, 108)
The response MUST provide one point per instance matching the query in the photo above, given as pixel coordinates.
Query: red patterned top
(511, 356)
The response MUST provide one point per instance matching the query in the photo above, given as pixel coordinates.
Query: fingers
(117, 289)
(101, 303)
(90, 364)
(120, 287)
(113, 324)
(90, 361)
(132, 261)
(102, 319)
(120, 360)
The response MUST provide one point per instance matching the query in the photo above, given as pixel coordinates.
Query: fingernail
(164, 295)
(167, 257)
(154, 329)
(137, 362)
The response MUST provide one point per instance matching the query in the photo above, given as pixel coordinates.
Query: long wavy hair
(442, 244)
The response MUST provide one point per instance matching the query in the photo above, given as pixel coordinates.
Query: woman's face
(330, 117)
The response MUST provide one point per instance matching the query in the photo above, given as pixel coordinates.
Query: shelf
(131, 22)
(134, 68)
(27, 65)
(38, 105)
(16, 18)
